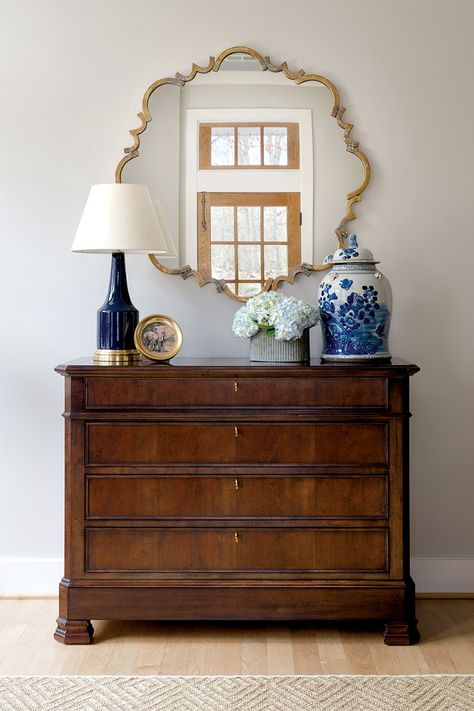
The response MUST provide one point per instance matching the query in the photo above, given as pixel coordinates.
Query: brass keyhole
(236, 386)
(236, 537)
(236, 484)
(236, 431)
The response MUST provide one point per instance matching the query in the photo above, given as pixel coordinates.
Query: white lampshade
(119, 217)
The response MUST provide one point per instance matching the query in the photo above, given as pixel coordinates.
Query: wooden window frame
(206, 200)
(205, 145)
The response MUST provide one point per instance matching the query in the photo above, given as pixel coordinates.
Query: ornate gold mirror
(249, 165)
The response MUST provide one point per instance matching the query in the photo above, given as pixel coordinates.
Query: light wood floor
(27, 645)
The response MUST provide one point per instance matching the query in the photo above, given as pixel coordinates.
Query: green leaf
(269, 330)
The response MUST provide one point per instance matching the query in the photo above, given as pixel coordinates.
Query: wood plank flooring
(178, 648)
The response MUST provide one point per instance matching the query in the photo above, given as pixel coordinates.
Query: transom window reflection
(248, 145)
(248, 237)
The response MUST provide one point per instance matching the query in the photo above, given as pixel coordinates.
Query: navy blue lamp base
(117, 319)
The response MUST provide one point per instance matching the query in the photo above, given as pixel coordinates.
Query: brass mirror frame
(298, 77)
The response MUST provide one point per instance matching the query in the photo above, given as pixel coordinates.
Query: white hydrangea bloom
(288, 316)
(262, 308)
(243, 325)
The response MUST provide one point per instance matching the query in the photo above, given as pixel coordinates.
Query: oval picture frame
(164, 340)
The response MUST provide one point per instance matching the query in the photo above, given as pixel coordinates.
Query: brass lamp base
(116, 357)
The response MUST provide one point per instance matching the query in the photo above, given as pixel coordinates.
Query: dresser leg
(401, 633)
(73, 631)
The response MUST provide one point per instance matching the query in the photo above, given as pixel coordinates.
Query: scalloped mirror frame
(298, 77)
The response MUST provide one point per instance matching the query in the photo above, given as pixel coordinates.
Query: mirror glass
(248, 170)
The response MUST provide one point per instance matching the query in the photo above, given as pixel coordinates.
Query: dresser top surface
(223, 366)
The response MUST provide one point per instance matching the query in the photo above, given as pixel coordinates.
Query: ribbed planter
(268, 349)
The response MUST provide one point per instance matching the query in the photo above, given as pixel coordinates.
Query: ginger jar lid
(353, 253)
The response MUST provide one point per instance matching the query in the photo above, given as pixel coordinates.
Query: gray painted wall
(73, 75)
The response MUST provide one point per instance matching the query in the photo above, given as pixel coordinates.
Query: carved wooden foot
(73, 631)
(401, 633)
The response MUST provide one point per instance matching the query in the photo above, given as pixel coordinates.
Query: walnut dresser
(219, 490)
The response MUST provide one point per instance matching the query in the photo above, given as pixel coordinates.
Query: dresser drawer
(205, 443)
(163, 393)
(154, 497)
(136, 550)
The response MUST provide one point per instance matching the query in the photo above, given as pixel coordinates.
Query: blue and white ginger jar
(355, 304)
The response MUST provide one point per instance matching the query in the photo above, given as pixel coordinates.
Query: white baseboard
(30, 576)
(40, 576)
(443, 575)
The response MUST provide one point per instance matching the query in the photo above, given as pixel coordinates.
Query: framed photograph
(158, 337)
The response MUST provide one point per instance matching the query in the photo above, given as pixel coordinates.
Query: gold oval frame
(137, 337)
(298, 77)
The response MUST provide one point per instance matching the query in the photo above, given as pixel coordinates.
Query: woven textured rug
(237, 693)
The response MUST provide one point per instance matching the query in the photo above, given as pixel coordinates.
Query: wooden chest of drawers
(219, 489)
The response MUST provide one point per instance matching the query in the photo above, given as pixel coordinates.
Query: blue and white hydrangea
(283, 317)
(243, 325)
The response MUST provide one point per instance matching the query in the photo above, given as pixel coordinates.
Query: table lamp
(118, 218)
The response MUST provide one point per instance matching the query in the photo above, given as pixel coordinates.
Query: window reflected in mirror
(263, 226)
(249, 145)
(245, 238)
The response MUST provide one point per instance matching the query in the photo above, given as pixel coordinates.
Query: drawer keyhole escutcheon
(236, 484)
(236, 386)
(236, 430)
(236, 537)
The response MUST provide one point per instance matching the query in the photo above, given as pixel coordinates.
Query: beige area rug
(237, 693)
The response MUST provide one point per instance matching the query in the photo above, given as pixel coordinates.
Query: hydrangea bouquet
(282, 317)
